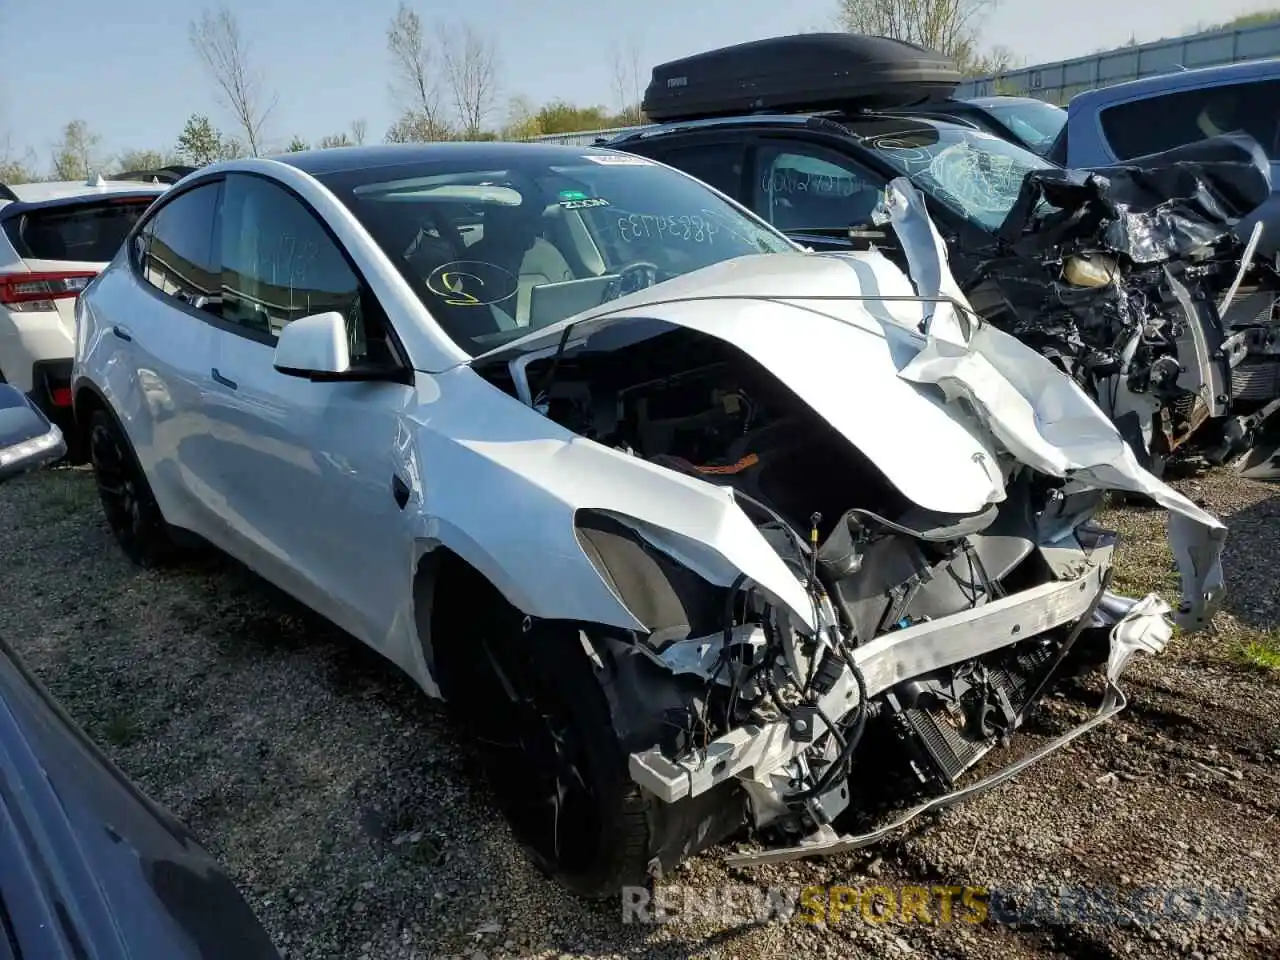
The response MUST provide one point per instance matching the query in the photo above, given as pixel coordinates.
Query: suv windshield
(498, 251)
(976, 174)
(1035, 122)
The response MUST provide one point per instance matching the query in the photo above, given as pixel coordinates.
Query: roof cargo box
(807, 72)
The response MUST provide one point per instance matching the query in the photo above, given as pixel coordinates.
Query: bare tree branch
(628, 82)
(948, 26)
(359, 129)
(75, 156)
(416, 83)
(217, 39)
(471, 67)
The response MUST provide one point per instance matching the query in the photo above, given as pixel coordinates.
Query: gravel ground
(347, 808)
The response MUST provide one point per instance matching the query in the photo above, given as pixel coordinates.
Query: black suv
(818, 178)
(812, 149)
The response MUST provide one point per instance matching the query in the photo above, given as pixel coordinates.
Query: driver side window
(801, 186)
(279, 264)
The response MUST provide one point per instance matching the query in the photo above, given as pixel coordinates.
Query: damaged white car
(678, 517)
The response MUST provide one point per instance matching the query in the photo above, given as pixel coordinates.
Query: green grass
(65, 493)
(121, 729)
(1263, 652)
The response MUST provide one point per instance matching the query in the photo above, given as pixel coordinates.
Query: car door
(313, 475)
(817, 195)
(156, 317)
(718, 162)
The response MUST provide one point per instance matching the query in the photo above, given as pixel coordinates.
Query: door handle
(122, 332)
(225, 381)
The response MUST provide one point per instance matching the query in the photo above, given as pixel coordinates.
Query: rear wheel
(530, 696)
(130, 508)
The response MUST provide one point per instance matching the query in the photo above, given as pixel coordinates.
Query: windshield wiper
(853, 231)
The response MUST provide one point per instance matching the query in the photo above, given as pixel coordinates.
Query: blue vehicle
(1026, 121)
(1130, 121)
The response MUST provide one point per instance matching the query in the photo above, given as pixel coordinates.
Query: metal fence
(1059, 82)
(585, 138)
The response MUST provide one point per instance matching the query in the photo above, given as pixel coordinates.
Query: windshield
(1036, 123)
(976, 174)
(496, 251)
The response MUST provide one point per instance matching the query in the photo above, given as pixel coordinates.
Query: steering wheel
(634, 276)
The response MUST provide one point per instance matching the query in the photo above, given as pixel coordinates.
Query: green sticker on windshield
(577, 200)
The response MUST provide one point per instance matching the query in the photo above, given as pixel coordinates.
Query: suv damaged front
(846, 509)
(1148, 291)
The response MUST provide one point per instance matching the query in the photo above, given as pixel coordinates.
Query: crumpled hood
(797, 315)
(931, 409)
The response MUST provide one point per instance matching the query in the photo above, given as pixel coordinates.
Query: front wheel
(127, 501)
(530, 698)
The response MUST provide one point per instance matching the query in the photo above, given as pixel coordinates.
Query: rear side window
(178, 248)
(1175, 119)
(719, 164)
(801, 186)
(89, 232)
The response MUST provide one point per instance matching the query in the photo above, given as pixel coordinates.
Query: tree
(999, 61)
(415, 84)
(471, 67)
(522, 120)
(13, 168)
(201, 143)
(335, 140)
(75, 155)
(217, 39)
(413, 128)
(560, 117)
(628, 83)
(948, 26)
(358, 130)
(297, 145)
(145, 159)
(1255, 19)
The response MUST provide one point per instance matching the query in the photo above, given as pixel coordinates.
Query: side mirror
(314, 347)
(27, 439)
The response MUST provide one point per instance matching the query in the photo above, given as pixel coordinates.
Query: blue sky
(129, 71)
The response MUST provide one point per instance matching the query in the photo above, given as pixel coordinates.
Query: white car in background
(54, 238)
(669, 510)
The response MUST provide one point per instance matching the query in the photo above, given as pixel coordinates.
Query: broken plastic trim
(1143, 628)
(883, 662)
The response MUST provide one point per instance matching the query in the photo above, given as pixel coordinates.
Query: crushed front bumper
(753, 754)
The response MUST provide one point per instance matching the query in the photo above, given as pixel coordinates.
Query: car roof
(318, 163)
(68, 189)
(997, 101)
(858, 124)
(1180, 80)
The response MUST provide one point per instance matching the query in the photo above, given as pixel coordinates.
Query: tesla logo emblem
(981, 460)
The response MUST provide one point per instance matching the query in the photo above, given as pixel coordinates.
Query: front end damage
(1143, 281)
(928, 484)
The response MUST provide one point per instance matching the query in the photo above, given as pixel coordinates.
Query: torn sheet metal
(1043, 418)
(1152, 208)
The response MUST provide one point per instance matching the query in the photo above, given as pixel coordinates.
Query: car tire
(127, 501)
(531, 699)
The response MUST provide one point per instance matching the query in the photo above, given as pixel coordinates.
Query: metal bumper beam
(754, 752)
